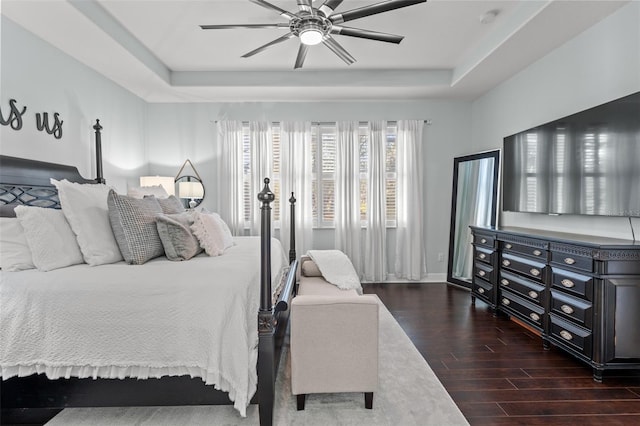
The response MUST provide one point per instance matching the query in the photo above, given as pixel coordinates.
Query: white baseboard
(428, 279)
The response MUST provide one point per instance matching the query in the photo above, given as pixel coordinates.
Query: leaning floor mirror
(474, 202)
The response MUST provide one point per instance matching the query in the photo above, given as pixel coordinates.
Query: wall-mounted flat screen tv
(584, 164)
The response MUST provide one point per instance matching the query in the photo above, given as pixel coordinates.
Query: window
(323, 163)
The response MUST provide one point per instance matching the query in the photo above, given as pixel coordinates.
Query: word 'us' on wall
(15, 120)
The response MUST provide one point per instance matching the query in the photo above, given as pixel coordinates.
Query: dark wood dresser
(580, 293)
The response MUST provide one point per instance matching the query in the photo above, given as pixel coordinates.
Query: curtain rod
(427, 121)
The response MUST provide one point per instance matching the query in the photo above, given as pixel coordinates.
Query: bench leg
(300, 401)
(368, 400)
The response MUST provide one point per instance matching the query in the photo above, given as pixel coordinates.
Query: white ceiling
(156, 49)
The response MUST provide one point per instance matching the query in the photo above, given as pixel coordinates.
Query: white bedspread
(196, 318)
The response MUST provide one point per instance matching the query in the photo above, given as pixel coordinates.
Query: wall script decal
(14, 120)
(15, 116)
(55, 130)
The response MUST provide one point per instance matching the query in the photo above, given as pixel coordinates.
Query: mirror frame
(457, 161)
(185, 201)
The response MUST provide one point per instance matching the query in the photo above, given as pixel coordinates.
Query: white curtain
(375, 252)
(347, 192)
(296, 177)
(230, 178)
(410, 249)
(261, 167)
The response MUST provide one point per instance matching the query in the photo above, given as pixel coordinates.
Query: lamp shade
(167, 182)
(190, 190)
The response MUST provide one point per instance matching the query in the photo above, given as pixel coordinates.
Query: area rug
(409, 394)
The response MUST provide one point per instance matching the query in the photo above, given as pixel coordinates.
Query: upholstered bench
(334, 338)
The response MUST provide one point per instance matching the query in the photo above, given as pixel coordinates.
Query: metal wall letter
(15, 116)
(43, 124)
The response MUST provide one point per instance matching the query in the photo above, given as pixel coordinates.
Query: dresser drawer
(527, 250)
(484, 240)
(483, 271)
(571, 282)
(530, 290)
(575, 337)
(523, 266)
(577, 310)
(483, 289)
(583, 263)
(483, 254)
(519, 307)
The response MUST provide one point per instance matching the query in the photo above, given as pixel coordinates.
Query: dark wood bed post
(266, 326)
(99, 176)
(292, 228)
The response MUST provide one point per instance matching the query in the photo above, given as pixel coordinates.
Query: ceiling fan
(315, 25)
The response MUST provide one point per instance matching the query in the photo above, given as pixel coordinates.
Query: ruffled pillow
(210, 233)
(227, 238)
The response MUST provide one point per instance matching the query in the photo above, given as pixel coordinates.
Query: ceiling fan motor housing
(318, 25)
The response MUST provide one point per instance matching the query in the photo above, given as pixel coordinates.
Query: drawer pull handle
(569, 261)
(505, 301)
(535, 272)
(506, 262)
(508, 246)
(566, 309)
(567, 283)
(504, 282)
(482, 273)
(533, 294)
(481, 290)
(566, 335)
(534, 316)
(483, 241)
(482, 255)
(537, 252)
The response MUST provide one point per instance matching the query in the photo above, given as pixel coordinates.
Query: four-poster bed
(27, 182)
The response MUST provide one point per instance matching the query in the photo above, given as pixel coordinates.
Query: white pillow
(85, 207)
(209, 233)
(227, 238)
(15, 254)
(52, 243)
(226, 232)
(157, 191)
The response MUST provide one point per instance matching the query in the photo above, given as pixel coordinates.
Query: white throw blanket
(336, 268)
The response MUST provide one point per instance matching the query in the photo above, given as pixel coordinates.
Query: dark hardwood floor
(496, 371)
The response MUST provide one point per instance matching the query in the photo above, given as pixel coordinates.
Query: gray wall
(597, 66)
(42, 78)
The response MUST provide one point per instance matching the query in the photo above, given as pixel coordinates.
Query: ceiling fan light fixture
(311, 34)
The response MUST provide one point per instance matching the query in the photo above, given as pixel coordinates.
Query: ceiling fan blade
(338, 50)
(271, 43)
(270, 6)
(231, 26)
(305, 6)
(302, 53)
(373, 9)
(370, 35)
(329, 6)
